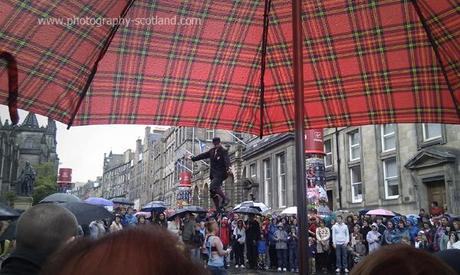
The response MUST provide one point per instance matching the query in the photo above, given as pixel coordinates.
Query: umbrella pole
(299, 135)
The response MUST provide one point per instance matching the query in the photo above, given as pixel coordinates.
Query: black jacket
(220, 162)
(252, 231)
(23, 262)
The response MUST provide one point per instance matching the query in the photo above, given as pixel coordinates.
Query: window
(356, 184)
(431, 131)
(237, 137)
(267, 179)
(390, 176)
(388, 136)
(252, 171)
(355, 145)
(328, 152)
(29, 143)
(209, 135)
(184, 134)
(281, 163)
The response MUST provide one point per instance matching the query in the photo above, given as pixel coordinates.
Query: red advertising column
(185, 189)
(64, 179)
(316, 172)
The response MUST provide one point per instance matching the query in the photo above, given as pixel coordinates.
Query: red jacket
(224, 233)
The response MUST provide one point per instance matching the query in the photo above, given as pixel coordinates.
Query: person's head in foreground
(139, 251)
(40, 231)
(401, 259)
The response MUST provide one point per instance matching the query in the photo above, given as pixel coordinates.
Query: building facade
(116, 174)
(92, 188)
(26, 142)
(269, 174)
(401, 167)
(171, 154)
(140, 189)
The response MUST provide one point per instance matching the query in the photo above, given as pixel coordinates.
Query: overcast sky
(82, 148)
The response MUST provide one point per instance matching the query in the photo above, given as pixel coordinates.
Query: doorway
(330, 202)
(436, 191)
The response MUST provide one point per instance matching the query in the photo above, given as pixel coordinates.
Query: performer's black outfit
(220, 163)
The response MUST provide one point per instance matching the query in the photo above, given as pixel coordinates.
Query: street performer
(220, 165)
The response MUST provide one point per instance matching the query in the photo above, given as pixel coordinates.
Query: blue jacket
(262, 246)
(292, 242)
(391, 236)
(129, 220)
(311, 251)
(271, 233)
(413, 232)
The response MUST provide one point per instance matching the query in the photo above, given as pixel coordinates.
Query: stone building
(26, 142)
(401, 167)
(170, 160)
(140, 189)
(116, 174)
(269, 174)
(92, 188)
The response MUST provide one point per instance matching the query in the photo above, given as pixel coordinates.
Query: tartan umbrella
(365, 62)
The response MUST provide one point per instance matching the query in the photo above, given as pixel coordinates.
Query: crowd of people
(212, 242)
(335, 243)
(342, 241)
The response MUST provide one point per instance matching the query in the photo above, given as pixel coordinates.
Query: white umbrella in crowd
(258, 205)
(290, 211)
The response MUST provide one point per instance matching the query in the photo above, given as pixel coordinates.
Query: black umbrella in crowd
(156, 206)
(248, 211)
(10, 232)
(123, 201)
(86, 213)
(8, 213)
(60, 198)
(188, 209)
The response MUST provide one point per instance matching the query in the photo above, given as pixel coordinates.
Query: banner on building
(316, 180)
(64, 179)
(314, 143)
(185, 178)
(183, 196)
(65, 175)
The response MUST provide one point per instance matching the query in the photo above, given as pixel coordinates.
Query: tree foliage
(45, 181)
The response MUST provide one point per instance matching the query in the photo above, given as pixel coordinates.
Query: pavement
(239, 271)
(251, 272)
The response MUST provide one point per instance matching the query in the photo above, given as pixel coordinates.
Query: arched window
(195, 197)
(205, 196)
(29, 143)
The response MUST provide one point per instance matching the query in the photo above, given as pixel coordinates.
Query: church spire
(51, 127)
(30, 121)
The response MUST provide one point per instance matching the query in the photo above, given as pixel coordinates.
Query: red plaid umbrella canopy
(365, 62)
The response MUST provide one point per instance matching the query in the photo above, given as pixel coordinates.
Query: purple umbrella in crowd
(99, 201)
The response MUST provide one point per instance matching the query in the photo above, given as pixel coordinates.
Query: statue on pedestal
(26, 180)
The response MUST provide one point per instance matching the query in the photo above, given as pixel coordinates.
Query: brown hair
(401, 259)
(141, 251)
(209, 226)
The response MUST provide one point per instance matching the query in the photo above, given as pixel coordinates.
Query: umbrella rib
(99, 58)
(262, 61)
(436, 53)
(12, 85)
